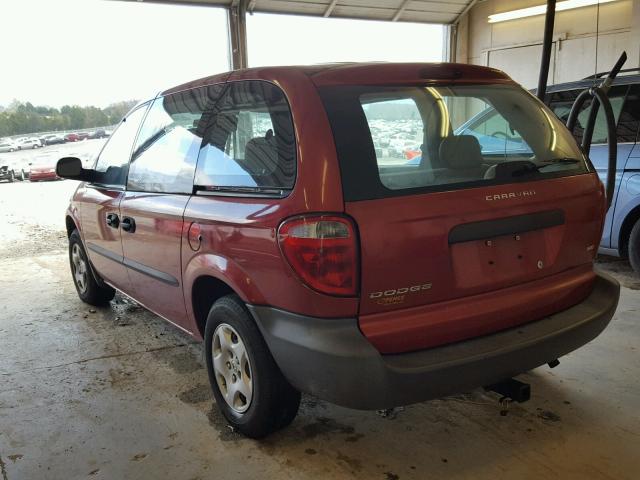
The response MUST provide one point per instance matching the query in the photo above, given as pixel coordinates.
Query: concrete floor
(118, 393)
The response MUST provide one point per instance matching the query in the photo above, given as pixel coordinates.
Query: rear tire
(22, 176)
(88, 289)
(634, 247)
(12, 177)
(242, 357)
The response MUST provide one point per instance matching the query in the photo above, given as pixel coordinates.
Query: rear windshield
(404, 140)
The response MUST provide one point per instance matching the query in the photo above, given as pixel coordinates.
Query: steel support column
(547, 43)
(237, 29)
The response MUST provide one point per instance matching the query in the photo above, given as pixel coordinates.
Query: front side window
(248, 141)
(111, 166)
(166, 151)
(404, 140)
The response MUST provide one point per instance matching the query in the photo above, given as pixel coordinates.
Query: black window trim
(122, 188)
(205, 190)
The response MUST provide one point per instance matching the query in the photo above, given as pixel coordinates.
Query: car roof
(589, 82)
(373, 73)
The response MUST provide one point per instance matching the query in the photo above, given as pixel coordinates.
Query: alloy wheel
(79, 267)
(232, 368)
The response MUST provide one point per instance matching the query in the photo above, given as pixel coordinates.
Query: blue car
(621, 235)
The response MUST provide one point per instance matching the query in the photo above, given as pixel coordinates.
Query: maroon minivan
(351, 231)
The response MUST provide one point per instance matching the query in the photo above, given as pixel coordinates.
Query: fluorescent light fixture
(542, 9)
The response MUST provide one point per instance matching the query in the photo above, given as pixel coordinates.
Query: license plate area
(506, 259)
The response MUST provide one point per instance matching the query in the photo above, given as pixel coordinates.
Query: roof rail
(602, 74)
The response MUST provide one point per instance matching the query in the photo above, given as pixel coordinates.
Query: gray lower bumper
(331, 359)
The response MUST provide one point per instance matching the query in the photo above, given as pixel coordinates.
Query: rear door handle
(128, 224)
(112, 220)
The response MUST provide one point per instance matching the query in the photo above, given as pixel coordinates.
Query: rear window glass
(404, 140)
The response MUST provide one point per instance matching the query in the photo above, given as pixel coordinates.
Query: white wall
(515, 46)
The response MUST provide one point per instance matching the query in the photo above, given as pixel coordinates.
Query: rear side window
(561, 103)
(248, 141)
(111, 166)
(629, 121)
(406, 140)
(166, 151)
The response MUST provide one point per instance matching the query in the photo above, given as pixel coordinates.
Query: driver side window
(113, 161)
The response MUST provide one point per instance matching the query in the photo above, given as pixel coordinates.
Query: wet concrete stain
(138, 456)
(181, 363)
(198, 394)
(548, 415)
(391, 476)
(310, 451)
(354, 464)
(354, 438)
(225, 432)
(323, 426)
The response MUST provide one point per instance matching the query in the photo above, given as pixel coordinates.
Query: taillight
(322, 250)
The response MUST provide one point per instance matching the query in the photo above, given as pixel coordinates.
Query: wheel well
(205, 291)
(625, 231)
(71, 226)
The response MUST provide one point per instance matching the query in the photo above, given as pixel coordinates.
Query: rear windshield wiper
(239, 191)
(533, 168)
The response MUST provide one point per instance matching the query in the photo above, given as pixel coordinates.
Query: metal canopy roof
(421, 11)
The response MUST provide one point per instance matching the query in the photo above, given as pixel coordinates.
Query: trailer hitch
(510, 390)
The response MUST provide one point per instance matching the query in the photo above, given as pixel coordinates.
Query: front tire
(248, 386)
(634, 247)
(12, 177)
(88, 289)
(22, 176)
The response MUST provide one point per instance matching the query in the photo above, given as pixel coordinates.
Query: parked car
(43, 168)
(98, 133)
(621, 234)
(8, 145)
(53, 139)
(71, 137)
(252, 210)
(11, 172)
(29, 143)
(82, 135)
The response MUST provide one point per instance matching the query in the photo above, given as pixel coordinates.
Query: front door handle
(112, 220)
(128, 224)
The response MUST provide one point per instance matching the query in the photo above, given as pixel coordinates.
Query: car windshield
(443, 138)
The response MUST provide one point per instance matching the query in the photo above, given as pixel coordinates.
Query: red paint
(403, 241)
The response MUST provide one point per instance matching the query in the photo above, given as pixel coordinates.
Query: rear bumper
(331, 359)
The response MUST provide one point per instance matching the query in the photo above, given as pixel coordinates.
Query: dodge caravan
(266, 212)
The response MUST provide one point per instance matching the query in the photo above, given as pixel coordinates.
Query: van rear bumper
(331, 359)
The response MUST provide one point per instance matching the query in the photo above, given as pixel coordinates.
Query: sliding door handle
(128, 224)
(112, 220)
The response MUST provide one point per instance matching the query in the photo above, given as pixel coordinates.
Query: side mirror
(71, 168)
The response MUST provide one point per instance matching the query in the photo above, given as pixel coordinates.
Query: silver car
(8, 146)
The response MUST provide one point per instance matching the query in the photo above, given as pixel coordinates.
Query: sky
(96, 52)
